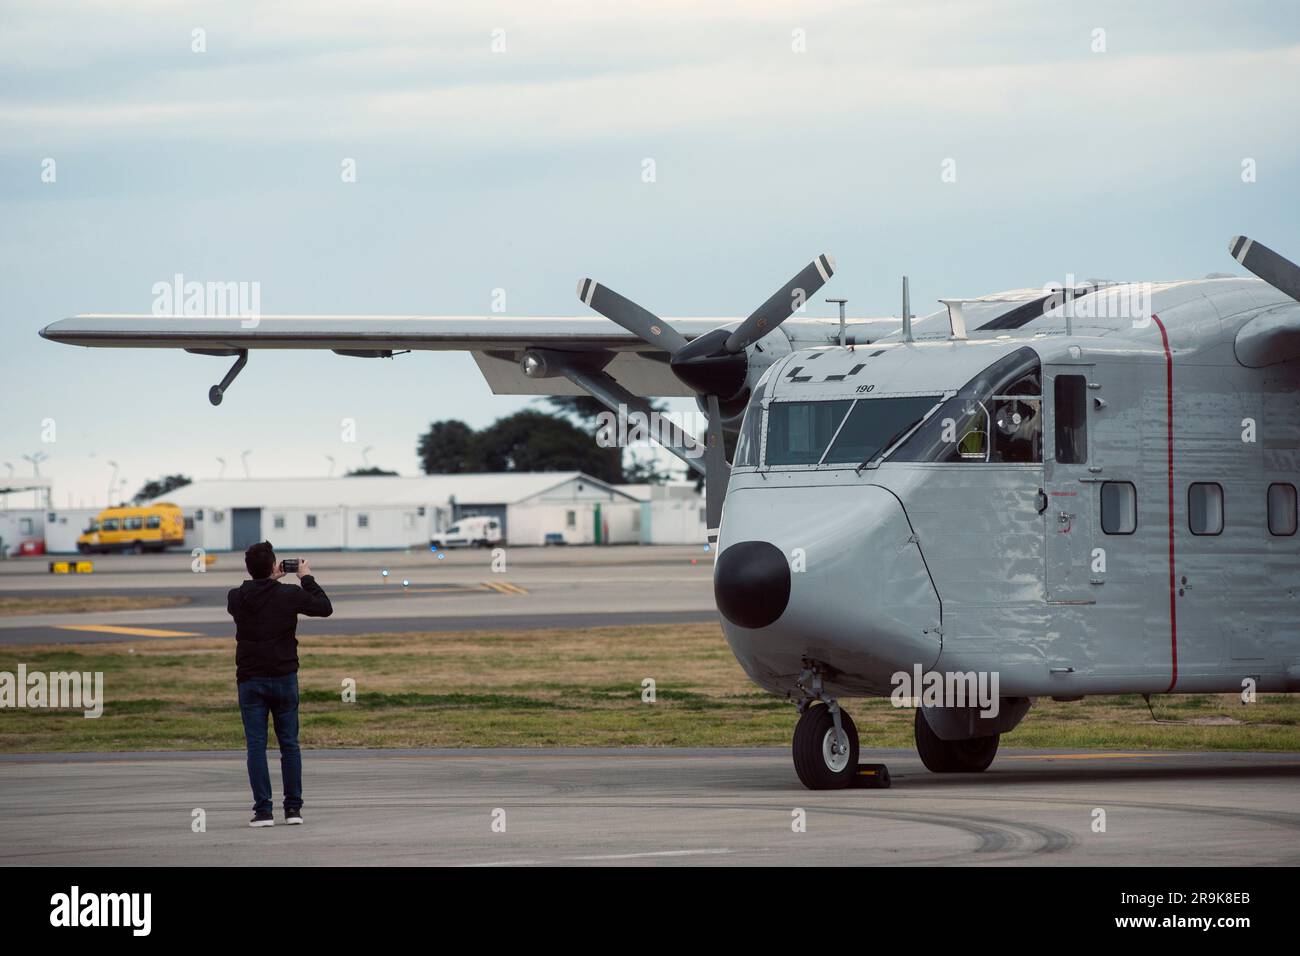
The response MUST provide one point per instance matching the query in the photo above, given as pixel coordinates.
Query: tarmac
(586, 807)
(570, 587)
(643, 807)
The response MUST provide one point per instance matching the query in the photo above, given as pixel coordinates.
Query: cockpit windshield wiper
(889, 443)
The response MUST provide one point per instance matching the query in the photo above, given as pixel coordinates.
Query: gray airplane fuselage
(1058, 550)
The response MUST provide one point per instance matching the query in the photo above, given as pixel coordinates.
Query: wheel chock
(871, 776)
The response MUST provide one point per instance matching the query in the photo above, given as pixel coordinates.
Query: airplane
(1076, 490)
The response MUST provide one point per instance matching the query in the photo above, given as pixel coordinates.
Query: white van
(479, 532)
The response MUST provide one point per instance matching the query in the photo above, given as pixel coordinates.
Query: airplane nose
(751, 583)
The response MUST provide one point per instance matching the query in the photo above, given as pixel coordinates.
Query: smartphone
(289, 565)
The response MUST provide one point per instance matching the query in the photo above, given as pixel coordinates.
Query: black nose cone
(751, 583)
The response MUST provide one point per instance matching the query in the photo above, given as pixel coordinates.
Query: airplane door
(1069, 525)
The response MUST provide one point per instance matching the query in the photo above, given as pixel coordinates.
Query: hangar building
(365, 512)
(383, 512)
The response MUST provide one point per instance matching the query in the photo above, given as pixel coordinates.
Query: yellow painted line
(1083, 756)
(131, 631)
(504, 587)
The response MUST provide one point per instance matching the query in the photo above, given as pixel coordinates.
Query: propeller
(640, 322)
(717, 471)
(1278, 271)
(715, 364)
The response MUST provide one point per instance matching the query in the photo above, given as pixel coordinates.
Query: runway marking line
(504, 587)
(438, 589)
(131, 631)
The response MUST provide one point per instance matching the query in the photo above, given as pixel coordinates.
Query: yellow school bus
(153, 527)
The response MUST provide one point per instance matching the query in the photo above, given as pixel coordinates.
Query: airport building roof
(495, 488)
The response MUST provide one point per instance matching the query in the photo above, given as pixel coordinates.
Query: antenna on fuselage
(907, 313)
(843, 337)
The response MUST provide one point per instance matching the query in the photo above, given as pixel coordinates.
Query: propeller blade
(1279, 272)
(782, 303)
(717, 473)
(640, 322)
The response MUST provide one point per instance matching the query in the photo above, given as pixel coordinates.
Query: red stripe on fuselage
(1169, 450)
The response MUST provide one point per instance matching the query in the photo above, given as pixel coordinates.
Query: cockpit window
(873, 424)
(798, 433)
(849, 432)
(996, 417)
(751, 428)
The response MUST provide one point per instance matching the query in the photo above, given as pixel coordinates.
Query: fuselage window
(1071, 410)
(1281, 509)
(1118, 507)
(1205, 507)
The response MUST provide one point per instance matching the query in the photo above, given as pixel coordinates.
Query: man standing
(266, 669)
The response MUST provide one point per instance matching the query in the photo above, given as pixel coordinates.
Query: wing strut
(601, 386)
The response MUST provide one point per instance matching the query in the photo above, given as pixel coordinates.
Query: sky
(973, 145)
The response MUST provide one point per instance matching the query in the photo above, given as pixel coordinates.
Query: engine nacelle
(732, 377)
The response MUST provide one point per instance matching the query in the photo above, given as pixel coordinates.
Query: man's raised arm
(312, 600)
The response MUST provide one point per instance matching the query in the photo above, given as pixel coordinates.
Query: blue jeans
(277, 696)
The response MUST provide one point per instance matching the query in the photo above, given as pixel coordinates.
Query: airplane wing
(620, 357)
(497, 342)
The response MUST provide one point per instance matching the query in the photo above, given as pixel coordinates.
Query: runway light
(406, 582)
(441, 555)
(384, 572)
(706, 547)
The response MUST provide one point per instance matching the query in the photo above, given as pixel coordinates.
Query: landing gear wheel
(952, 756)
(823, 760)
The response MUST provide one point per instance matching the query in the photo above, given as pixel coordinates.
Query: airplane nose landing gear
(825, 747)
(826, 741)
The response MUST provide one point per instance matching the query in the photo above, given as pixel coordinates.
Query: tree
(580, 409)
(645, 471)
(448, 448)
(372, 470)
(534, 441)
(157, 487)
(583, 409)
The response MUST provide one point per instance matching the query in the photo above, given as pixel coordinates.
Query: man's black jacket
(266, 624)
